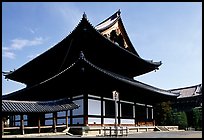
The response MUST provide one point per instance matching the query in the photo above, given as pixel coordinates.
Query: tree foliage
(197, 118)
(165, 115)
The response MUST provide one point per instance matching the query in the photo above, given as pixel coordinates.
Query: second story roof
(99, 49)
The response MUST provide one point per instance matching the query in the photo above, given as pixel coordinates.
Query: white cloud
(18, 44)
(5, 48)
(9, 55)
(31, 30)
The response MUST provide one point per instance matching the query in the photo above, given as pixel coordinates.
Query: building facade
(86, 67)
(190, 98)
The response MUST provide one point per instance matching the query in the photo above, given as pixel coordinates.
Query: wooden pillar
(71, 113)
(39, 123)
(153, 116)
(11, 120)
(102, 117)
(146, 120)
(135, 114)
(147, 113)
(67, 119)
(2, 125)
(119, 111)
(152, 113)
(85, 105)
(54, 122)
(22, 125)
(14, 119)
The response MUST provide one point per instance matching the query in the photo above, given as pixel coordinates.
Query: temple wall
(100, 112)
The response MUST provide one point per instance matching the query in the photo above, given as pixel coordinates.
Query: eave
(14, 106)
(83, 76)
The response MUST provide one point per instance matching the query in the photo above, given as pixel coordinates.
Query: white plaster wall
(92, 120)
(109, 121)
(94, 107)
(127, 121)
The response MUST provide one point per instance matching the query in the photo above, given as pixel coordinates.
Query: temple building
(84, 69)
(190, 97)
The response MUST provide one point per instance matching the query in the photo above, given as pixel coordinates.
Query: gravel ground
(181, 134)
(172, 134)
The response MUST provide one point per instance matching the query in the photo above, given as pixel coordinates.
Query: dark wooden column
(71, 113)
(153, 116)
(2, 120)
(119, 109)
(38, 123)
(67, 119)
(102, 117)
(14, 119)
(54, 122)
(22, 125)
(135, 114)
(11, 120)
(146, 120)
(85, 105)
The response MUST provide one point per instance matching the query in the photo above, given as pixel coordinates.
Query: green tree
(163, 112)
(197, 118)
(165, 115)
(182, 122)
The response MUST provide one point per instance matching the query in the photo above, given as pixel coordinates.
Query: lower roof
(84, 77)
(13, 106)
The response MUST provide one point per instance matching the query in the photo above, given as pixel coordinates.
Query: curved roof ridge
(109, 73)
(131, 81)
(115, 15)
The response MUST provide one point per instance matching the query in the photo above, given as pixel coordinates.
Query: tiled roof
(82, 61)
(37, 106)
(189, 91)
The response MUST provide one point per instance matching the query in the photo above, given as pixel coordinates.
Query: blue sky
(167, 32)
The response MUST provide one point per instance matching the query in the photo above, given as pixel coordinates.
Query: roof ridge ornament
(118, 12)
(84, 15)
(81, 55)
